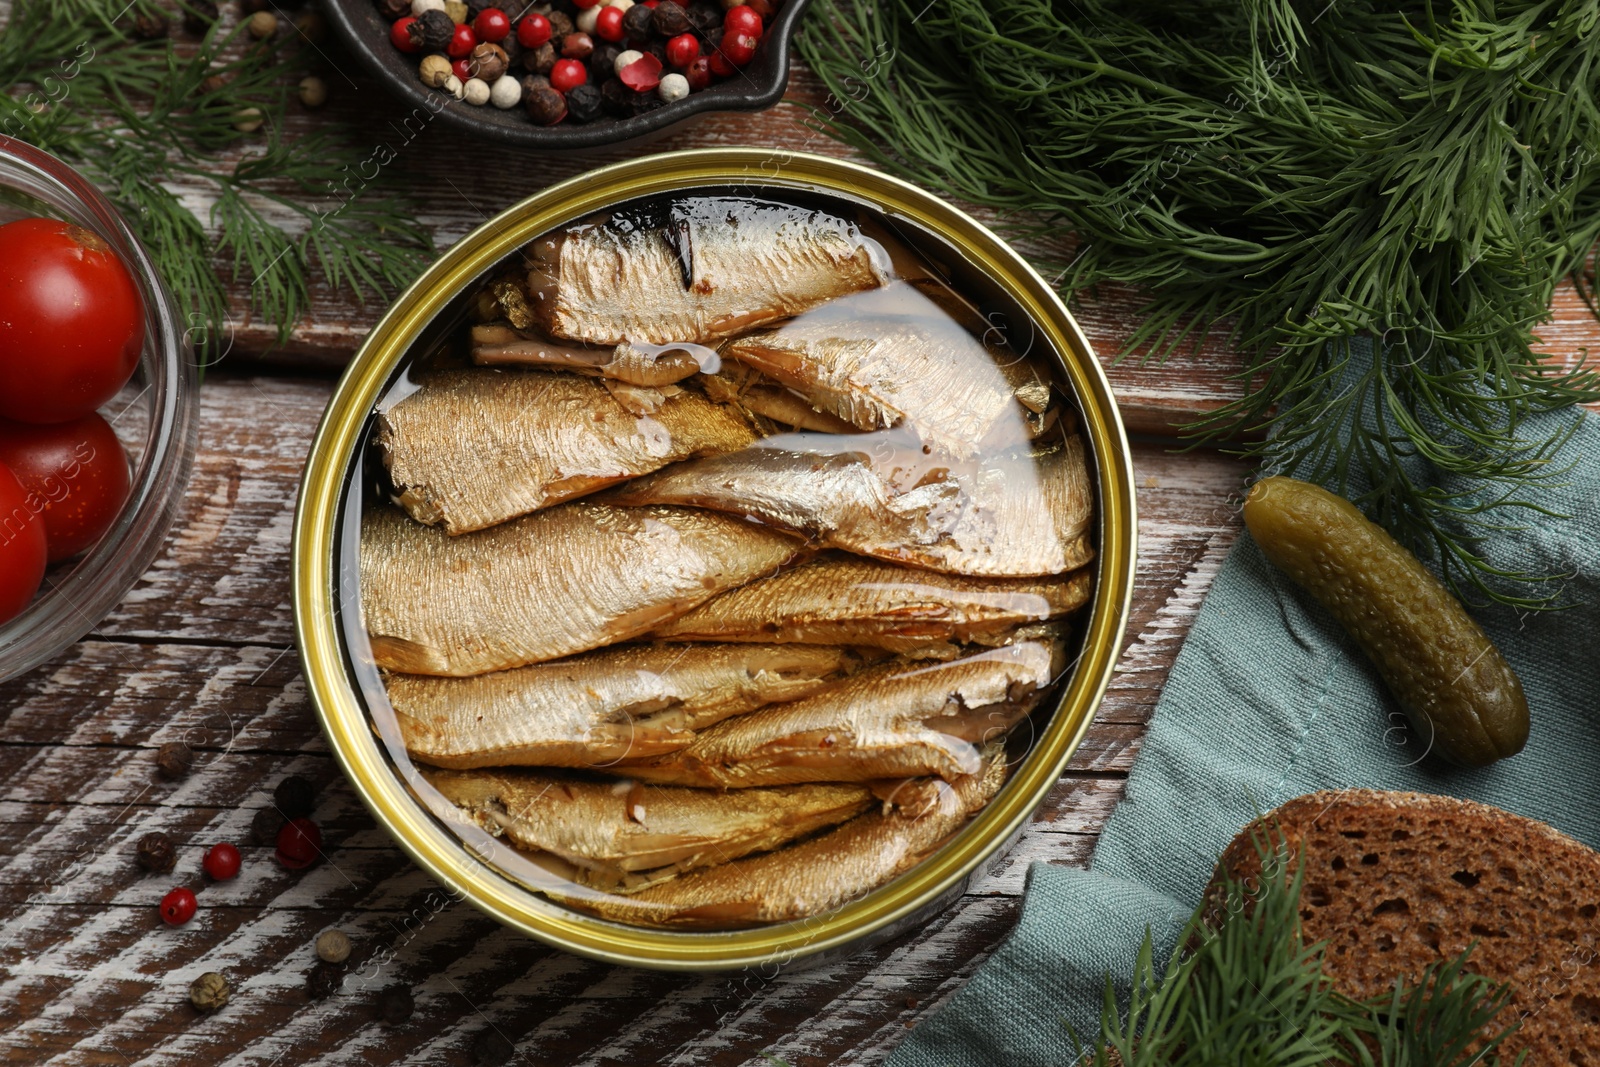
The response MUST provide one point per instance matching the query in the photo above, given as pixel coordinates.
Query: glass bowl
(154, 415)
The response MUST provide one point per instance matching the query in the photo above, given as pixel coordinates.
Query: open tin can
(347, 692)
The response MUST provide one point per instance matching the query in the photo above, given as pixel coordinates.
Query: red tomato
(71, 321)
(76, 477)
(22, 547)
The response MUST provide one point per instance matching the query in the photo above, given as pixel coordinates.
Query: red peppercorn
(608, 23)
(699, 73)
(222, 862)
(462, 44)
(299, 844)
(683, 49)
(720, 66)
(400, 35)
(582, 4)
(740, 48)
(643, 74)
(177, 907)
(461, 68)
(491, 25)
(533, 31)
(742, 19)
(567, 75)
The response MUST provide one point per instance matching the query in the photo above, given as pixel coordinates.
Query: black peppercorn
(545, 106)
(174, 759)
(294, 797)
(265, 826)
(432, 31)
(199, 16)
(659, 50)
(395, 1005)
(643, 103)
(584, 103)
(614, 97)
(475, 7)
(603, 63)
(492, 1049)
(209, 992)
(713, 40)
(394, 9)
(560, 24)
(530, 83)
(577, 45)
(324, 980)
(639, 22)
(156, 852)
(705, 17)
(513, 50)
(540, 60)
(668, 20)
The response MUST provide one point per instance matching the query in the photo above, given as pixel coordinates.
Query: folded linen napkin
(1269, 700)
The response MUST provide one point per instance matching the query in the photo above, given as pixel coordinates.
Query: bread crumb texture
(1397, 881)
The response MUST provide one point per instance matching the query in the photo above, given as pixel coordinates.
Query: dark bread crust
(1397, 881)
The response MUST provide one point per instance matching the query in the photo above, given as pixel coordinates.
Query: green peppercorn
(209, 992)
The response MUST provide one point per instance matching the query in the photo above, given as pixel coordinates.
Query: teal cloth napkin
(1269, 700)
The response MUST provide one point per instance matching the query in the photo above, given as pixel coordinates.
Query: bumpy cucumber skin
(1447, 676)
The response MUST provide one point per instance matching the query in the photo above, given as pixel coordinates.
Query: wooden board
(201, 650)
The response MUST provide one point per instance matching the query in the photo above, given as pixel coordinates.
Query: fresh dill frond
(153, 124)
(1289, 176)
(1245, 988)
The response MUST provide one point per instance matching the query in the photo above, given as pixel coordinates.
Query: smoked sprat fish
(600, 707)
(559, 581)
(695, 270)
(473, 448)
(1021, 517)
(840, 599)
(813, 876)
(886, 358)
(746, 388)
(498, 345)
(618, 829)
(892, 720)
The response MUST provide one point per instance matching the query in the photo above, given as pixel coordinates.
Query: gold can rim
(314, 574)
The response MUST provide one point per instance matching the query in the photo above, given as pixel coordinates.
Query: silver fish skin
(892, 720)
(840, 599)
(562, 580)
(887, 358)
(594, 709)
(814, 876)
(474, 448)
(717, 266)
(618, 828)
(1015, 517)
(637, 364)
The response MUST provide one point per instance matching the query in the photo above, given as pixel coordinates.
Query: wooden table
(202, 651)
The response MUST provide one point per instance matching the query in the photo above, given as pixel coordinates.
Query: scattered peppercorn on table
(312, 937)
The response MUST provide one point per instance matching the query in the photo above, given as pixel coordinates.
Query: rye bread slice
(1397, 881)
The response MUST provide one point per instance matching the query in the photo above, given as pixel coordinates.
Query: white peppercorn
(454, 87)
(673, 87)
(263, 24)
(505, 92)
(587, 19)
(620, 5)
(435, 71)
(476, 92)
(422, 7)
(456, 10)
(248, 119)
(333, 946)
(313, 91)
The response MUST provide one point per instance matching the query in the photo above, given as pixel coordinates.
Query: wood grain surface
(201, 650)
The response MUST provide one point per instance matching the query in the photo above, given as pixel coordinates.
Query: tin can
(322, 584)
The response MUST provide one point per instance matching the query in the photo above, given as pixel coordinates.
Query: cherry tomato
(491, 25)
(533, 31)
(742, 19)
(75, 474)
(222, 862)
(71, 321)
(22, 547)
(683, 49)
(178, 906)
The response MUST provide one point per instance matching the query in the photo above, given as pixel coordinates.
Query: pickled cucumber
(1461, 696)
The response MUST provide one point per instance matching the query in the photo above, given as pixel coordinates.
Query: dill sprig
(152, 123)
(1246, 988)
(1290, 176)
